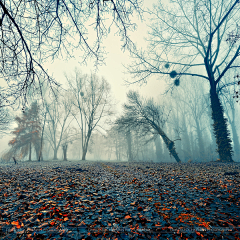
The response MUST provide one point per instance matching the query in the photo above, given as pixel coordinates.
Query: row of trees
(177, 125)
(63, 117)
(199, 39)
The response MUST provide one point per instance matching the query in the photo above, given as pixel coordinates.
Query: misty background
(185, 106)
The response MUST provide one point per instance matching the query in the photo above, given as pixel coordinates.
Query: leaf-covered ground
(96, 200)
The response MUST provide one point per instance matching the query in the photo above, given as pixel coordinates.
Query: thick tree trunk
(170, 145)
(224, 147)
(84, 154)
(85, 145)
(55, 154)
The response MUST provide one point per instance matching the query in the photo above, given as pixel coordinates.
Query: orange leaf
(198, 233)
(15, 223)
(127, 217)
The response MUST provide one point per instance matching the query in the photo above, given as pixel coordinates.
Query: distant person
(14, 159)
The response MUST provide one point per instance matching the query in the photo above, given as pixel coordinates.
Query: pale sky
(113, 70)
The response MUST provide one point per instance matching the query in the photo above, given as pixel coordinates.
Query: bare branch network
(36, 31)
(190, 35)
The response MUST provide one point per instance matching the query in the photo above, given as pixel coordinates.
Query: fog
(86, 118)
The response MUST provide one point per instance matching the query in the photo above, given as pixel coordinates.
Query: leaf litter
(97, 200)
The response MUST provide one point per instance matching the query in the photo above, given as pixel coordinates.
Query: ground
(120, 200)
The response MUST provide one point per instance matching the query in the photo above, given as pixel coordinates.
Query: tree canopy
(27, 134)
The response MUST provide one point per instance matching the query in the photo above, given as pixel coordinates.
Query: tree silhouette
(27, 134)
(147, 118)
(92, 104)
(32, 32)
(188, 38)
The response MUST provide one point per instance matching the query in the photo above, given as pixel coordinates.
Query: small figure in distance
(14, 159)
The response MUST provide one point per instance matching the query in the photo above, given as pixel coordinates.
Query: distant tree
(58, 119)
(70, 135)
(147, 117)
(129, 145)
(32, 32)
(27, 134)
(116, 143)
(159, 153)
(92, 103)
(194, 38)
(230, 107)
(190, 99)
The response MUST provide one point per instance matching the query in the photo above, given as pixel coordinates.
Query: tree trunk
(158, 146)
(170, 145)
(200, 140)
(186, 143)
(235, 140)
(55, 154)
(84, 154)
(117, 150)
(30, 152)
(224, 147)
(129, 143)
(40, 157)
(64, 147)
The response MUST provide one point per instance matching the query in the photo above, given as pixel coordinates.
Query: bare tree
(146, 116)
(33, 32)
(58, 120)
(92, 104)
(194, 38)
(190, 99)
(116, 143)
(70, 135)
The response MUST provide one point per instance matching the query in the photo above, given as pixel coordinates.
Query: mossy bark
(224, 147)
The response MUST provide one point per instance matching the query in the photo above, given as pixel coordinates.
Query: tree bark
(224, 147)
(170, 145)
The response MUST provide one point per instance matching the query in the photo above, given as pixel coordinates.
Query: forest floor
(104, 200)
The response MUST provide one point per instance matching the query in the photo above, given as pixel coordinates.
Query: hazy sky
(113, 69)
